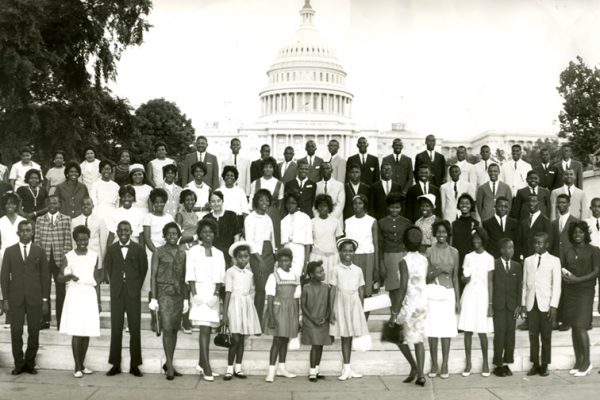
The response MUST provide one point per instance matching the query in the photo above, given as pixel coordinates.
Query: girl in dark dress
(462, 229)
(315, 314)
(581, 266)
(228, 226)
(122, 176)
(33, 196)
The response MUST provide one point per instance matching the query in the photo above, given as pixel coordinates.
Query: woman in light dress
(142, 190)
(201, 188)
(326, 230)
(276, 188)
(296, 233)
(81, 310)
(90, 168)
(56, 175)
(205, 274)
(105, 192)
(235, 198)
(444, 302)
(476, 301)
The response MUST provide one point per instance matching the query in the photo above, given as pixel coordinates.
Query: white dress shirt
(562, 220)
(501, 221)
(541, 281)
(534, 217)
(478, 174)
(124, 250)
(594, 226)
(25, 249)
(336, 190)
(516, 178)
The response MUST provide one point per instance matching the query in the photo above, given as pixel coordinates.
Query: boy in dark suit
(402, 167)
(500, 226)
(25, 282)
(519, 210)
(506, 299)
(354, 187)
(369, 165)
(313, 161)
(423, 186)
(546, 170)
(434, 160)
(304, 187)
(125, 266)
(530, 226)
(381, 190)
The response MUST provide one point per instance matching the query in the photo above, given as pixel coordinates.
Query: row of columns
(306, 102)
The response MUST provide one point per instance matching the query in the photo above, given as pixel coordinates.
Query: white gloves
(153, 305)
(186, 305)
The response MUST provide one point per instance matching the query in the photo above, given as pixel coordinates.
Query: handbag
(155, 318)
(294, 343)
(436, 292)
(392, 334)
(223, 338)
(378, 302)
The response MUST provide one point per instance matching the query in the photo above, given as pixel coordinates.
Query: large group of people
(272, 248)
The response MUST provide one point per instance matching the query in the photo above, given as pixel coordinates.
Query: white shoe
(281, 371)
(466, 373)
(271, 375)
(201, 372)
(580, 374)
(485, 374)
(346, 373)
(78, 374)
(87, 371)
(208, 378)
(355, 374)
(573, 371)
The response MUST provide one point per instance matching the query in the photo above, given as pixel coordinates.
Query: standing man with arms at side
(211, 178)
(519, 209)
(402, 168)
(304, 187)
(380, 192)
(256, 167)
(451, 191)
(369, 165)
(314, 162)
(479, 171)
(25, 282)
(288, 167)
(514, 172)
(433, 159)
(125, 266)
(579, 204)
(566, 163)
(547, 171)
(501, 226)
(490, 191)
(338, 163)
(329, 186)
(242, 164)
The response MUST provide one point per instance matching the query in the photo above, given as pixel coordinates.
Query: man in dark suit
(125, 266)
(304, 188)
(369, 165)
(314, 162)
(212, 165)
(519, 210)
(546, 170)
(423, 186)
(288, 167)
(500, 226)
(566, 163)
(25, 282)
(354, 187)
(256, 167)
(561, 244)
(506, 301)
(381, 190)
(433, 159)
(529, 227)
(402, 168)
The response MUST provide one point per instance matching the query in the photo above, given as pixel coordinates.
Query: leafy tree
(55, 60)
(580, 117)
(159, 120)
(531, 154)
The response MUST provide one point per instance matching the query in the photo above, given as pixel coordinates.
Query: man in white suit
(242, 164)
(594, 223)
(578, 207)
(338, 163)
(333, 188)
(452, 190)
(479, 171)
(514, 172)
(541, 294)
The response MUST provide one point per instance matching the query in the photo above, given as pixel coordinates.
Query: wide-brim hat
(343, 240)
(429, 197)
(239, 244)
(135, 167)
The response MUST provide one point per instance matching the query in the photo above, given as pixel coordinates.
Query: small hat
(343, 240)
(239, 244)
(429, 197)
(284, 252)
(135, 167)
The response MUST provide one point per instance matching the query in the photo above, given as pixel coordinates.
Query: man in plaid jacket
(53, 235)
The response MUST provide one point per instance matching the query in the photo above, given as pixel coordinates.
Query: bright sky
(451, 67)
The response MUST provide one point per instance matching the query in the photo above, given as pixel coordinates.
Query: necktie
(530, 220)
(494, 189)
(363, 159)
(533, 191)
(569, 191)
(507, 266)
(561, 224)
(431, 155)
(539, 261)
(86, 220)
(425, 188)
(501, 224)
(485, 164)
(515, 165)
(397, 158)
(235, 160)
(24, 252)
(387, 187)
(598, 225)
(455, 191)
(325, 187)
(310, 161)
(545, 166)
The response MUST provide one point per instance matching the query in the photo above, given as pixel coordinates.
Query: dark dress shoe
(45, 325)
(534, 370)
(544, 370)
(563, 327)
(319, 376)
(31, 370)
(420, 381)
(170, 377)
(410, 378)
(507, 371)
(17, 371)
(135, 371)
(114, 371)
(524, 326)
(175, 372)
(240, 375)
(499, 372)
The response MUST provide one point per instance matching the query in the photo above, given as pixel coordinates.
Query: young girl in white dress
(347, 295)
(80, 317)
(202, 190)
(296, 233)
(205, 272)
(326, 229)
(105, 192)
(476, 301)
(239, 313)
(142, 191)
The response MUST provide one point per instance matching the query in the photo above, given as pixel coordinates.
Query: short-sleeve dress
(325, 232)
(156, 224)
(350, 318)
(414, 307)
(360, 229)
(80, 315)
(206, 272)
(474, 300)
(285, 305)
(426, 225)
(317, 301)
(170, 287)
(296, 232)
(441, 313)
(242, 315)
(142, 197)
(578, 298)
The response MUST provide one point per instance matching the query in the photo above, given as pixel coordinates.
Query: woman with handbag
(443, 296)
(167, 280)
(239, 313)
(205, 272)
(476, 300)
(410, 307)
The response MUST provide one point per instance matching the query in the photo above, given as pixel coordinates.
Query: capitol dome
(306, 81)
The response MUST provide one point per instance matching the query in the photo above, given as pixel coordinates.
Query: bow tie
(126, 246)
